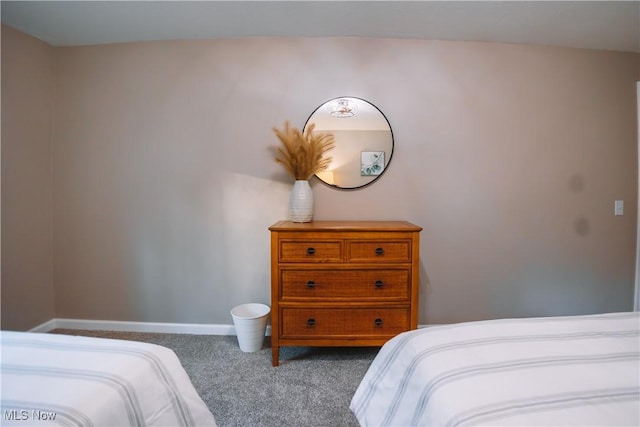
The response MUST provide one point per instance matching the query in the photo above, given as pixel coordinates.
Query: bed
(50, 379)
(551, 371)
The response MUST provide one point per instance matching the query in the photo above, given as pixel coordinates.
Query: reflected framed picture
(371, 163)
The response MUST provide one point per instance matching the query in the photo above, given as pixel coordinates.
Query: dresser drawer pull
(378, 322)
(311, 251)
(311, 284)
(311, 322)
(379, 251)
(379, 284)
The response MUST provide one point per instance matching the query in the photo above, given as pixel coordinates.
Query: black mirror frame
(388, 162)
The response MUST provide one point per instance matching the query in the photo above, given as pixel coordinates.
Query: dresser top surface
(345, 226)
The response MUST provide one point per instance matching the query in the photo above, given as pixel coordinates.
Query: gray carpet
(311, 387)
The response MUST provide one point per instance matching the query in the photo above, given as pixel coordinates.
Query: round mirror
(363, 141)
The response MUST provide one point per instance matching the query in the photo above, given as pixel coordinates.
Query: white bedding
(577, 370)
(50, 379)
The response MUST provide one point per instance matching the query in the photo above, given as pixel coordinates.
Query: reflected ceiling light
(343, 108)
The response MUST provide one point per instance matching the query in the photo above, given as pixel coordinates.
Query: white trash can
(250, 321)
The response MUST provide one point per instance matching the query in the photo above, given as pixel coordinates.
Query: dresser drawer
(370, 284)
(342, 283)
(379, 251)
(310, 251)
(343, 322)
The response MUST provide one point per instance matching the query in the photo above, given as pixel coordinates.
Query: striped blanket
(50, 379)
(553, 371)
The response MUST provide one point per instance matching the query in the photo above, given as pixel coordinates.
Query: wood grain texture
(342, 283)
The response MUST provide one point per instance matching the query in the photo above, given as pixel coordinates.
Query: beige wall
(509, 156)
(27, 106)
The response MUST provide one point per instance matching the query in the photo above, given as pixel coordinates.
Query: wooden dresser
(342, 283)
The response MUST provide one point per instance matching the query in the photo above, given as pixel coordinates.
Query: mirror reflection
(363, 141)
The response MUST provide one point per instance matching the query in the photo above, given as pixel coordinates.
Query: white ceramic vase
(301, 202)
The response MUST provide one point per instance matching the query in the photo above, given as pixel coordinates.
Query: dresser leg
(275, 355)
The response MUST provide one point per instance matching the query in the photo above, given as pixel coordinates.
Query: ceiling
(609, 25)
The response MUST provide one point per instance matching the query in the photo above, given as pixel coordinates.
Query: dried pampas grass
(302, 154)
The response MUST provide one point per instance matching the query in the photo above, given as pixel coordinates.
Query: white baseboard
(44, 327)
(154, 327)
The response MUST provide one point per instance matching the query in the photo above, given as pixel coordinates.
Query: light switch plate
(618, 207)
